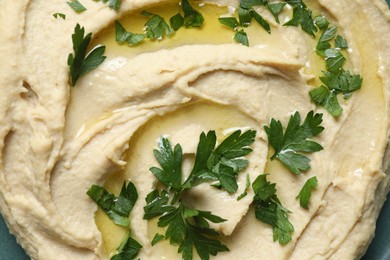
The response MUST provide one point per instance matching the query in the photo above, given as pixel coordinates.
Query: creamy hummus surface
(58, 140)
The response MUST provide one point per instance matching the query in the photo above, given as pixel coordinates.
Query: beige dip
(56, 141)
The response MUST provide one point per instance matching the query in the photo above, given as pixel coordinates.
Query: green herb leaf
(114, 4)
(335, 83)
(128, 249)
(322, 96)
(276, 9)
(259, 19)
(341, 42)
(321, 22)
(56, 15)
(156, 26)
(244, 16)
(301, 16)
(157, 238)
(80, 63)
(176, 21)
(230, 22)
(188, 227)
(334, 60)
(117, 208)
(247, 185)
(289, 145)
(241, 37)
(192, 18)
(251, 3)
(76, 6)
(122, 35)
(305, 194)
(269, 210)
(170, 160)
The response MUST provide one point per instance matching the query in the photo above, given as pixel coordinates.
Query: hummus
(56, 141)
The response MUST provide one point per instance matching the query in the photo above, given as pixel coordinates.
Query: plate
(378, 250)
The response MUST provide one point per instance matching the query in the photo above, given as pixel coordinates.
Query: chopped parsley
(290, 145)
(305, 194)
(128, 249)
(269, 210)
(247, 185)
(191, 18)
(80, 62)
(156, 26)
(116, 208)
(56, 15)
(334, 83)
(335, 80)
(341, 43)
(246, 13)
(185, 226)
(302, 15)
(276, 9)
(76, 6)
(113, 4)
(123, 36)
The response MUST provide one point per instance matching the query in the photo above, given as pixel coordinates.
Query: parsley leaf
(289, 146)
(122, 35)
(192, 18)
(301, 16)
(230, 22)
(241, 37)
(113, 4)
(128, 249)
(341, 42)
(276, 9)
(157, 238)
(117, 208)
(156, 26)
(247, 185)
(305, 194)
(334, 60)
(335, 83)
(222, 164)
(321, 22)
(76, 6)
(269, 210)
(56, 15)
(176, 21)
(170, 160)
(80, 63)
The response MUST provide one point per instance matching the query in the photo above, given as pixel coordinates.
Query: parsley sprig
(80, 62)
(290, 145)
(188, 227)
(269, 209)
(118, 210)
